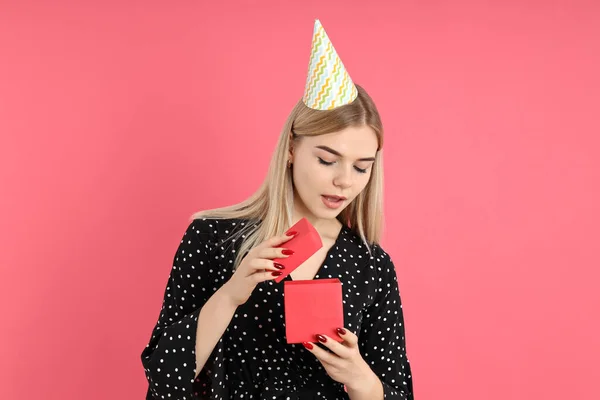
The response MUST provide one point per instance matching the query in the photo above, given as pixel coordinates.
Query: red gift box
(313, 307)
(306, 243)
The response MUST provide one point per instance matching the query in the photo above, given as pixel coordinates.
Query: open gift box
(313, 307)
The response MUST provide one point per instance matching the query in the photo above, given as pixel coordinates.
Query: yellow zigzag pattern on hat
(328, 84)
(318, 71)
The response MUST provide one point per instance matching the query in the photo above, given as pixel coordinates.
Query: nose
(343, 178)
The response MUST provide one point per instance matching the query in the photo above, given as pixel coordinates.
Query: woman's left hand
(346, 364)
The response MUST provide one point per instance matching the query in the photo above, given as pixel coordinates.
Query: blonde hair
(274, 210)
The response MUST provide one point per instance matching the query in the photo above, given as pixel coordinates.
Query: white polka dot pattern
(252, 359)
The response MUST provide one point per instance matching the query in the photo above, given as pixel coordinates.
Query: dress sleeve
(169, 358)
(382, 338)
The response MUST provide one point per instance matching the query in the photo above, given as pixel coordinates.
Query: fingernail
(291, 233)
(321, 338)
(279, 266)
(287, 252)
(276, 273)
(309, 346)
(341, 331)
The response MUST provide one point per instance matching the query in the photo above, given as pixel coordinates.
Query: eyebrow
(337, 153)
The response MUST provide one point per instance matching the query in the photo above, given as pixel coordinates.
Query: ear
(291, 152)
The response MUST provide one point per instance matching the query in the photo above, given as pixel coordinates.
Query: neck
(326, 227)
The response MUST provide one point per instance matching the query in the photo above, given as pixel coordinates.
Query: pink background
(120, 119)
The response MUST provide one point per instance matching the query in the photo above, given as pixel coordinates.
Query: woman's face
(335, 164)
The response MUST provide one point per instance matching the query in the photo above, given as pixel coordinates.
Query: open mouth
(333, 201)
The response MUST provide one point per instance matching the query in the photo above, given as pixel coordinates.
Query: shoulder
(380, 256)
(373, 252)
(203, 239)
(387, 276)
(214, 231)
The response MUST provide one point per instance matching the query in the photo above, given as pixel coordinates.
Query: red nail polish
(341, 331)
(308, 345)
(279, 266)
(291, 233)
(321, 338)
(287, 252)
(276, 273)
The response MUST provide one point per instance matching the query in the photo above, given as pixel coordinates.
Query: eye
(359, 170)
(321, 161)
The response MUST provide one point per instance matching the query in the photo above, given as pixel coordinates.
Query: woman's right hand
(258, 266)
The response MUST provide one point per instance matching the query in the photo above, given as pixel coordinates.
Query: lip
(332, 204)
(335, 197)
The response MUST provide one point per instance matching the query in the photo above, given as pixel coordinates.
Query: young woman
(221, 333)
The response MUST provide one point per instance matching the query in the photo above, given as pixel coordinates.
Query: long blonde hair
(274, 210)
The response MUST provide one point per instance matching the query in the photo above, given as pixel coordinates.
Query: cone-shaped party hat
(328, 84)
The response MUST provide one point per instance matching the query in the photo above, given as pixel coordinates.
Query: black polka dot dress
(252, 359)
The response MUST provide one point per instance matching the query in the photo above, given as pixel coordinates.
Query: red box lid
(306, 243)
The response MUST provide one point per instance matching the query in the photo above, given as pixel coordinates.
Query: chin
(322, 213)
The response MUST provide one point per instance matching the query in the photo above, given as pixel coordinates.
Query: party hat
(328, 84)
